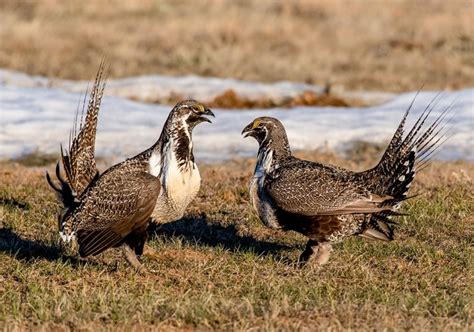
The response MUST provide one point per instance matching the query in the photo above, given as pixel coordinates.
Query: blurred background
(392, 46)
(313, 64)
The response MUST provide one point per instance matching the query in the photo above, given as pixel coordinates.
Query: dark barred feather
(406, 156)
(79, 162)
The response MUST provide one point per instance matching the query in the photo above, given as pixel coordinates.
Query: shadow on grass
(14, 203)
(196, 230)
(24, 249)
(199, 230)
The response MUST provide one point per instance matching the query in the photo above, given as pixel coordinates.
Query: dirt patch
(37, 158)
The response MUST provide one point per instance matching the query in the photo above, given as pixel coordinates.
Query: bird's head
(269, 133)
(264, 128)
(190, 113)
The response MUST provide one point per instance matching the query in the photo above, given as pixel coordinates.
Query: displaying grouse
(115, 208)
(328, 203)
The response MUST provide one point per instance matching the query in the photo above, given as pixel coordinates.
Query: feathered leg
(132, 259)
(315, 253)
(137, 241)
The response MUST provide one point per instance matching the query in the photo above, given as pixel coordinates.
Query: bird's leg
(132, 259)
(315, 252)
(141, 248)
(150, 252)
(307, 253)
(324, 251)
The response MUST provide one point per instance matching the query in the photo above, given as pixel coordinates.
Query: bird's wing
(117, 205)
(308, 188)
(79, 161)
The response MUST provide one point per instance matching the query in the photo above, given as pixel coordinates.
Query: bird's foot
(132, 259)
(315, 254)
(150, 252)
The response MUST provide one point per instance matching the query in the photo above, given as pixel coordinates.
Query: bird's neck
(182, 147)
(276, 145)
(270, 157)
(175, 144)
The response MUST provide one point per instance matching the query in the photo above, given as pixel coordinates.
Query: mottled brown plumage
(115, 208)
(328, 203)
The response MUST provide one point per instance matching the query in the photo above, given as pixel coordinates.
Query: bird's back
(120, 201)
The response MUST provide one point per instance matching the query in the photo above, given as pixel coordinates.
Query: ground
(363, 45)
(219, 267)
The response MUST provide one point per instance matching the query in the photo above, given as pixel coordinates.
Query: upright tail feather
(401, 160)
(79, 164)
(79, 161)
(406, 156)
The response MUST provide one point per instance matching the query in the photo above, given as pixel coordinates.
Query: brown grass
(378, 45)
(229, 99)
(221, 269)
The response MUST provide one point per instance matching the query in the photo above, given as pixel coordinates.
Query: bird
(171, 159)
(329, 204)
(115, 208)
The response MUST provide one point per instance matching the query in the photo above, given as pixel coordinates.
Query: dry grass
(229, 99)
(220, 268)
(378, 45)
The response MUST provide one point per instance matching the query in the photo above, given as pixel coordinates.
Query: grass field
(220, 268)
(372, 44)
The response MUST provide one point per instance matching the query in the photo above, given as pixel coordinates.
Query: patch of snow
(155, 88)
(40, 118)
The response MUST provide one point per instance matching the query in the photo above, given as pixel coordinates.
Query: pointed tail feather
(405, 156)
(79, 161)
(380, 226)
(64, 191)
(402, 159)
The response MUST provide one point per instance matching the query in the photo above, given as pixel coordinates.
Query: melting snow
(155, 87)
(34, 116)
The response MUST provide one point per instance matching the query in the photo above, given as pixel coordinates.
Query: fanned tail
(79, 161)
(403, 158)
(406, 156)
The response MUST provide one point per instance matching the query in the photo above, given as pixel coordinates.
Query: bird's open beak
(207, 112)
(248, 130)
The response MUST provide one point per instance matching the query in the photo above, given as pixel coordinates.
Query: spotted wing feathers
(307, 188)
(119, 203)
